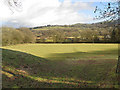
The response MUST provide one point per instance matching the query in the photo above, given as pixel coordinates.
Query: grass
(60, 65)
(55, 28)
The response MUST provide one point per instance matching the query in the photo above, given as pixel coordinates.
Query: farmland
(60, 65)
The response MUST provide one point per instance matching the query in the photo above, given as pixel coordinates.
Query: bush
(11, 36)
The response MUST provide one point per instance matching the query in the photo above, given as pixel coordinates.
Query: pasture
(60, 66)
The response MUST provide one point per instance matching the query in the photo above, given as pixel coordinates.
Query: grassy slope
(60, 65)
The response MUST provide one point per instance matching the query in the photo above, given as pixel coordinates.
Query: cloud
(44, 12)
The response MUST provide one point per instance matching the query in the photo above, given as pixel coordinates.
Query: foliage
(76, 33)
(11, 36)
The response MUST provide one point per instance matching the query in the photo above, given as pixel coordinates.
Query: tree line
(12, 36)
(94, 33)
(77, 33)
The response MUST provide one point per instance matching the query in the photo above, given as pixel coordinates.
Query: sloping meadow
(60, 65)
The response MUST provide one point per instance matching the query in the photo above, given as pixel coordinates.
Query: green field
(60, 65)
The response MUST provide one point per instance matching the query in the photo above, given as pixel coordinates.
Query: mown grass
(60, 65)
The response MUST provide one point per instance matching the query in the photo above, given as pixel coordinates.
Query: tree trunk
(118, 66)
(118, 70)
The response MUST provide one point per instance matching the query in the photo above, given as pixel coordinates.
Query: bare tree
(110, 13)
(14, 5)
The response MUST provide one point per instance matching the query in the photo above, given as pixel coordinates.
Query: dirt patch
(101, 55)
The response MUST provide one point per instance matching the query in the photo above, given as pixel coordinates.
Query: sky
(47, 12)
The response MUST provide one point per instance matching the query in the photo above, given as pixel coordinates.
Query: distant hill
(99, 24)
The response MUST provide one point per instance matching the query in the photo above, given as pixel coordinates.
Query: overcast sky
(44, 12)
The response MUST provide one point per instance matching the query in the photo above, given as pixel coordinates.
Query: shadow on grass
(26, 70)
(21, 78)
(95, 66)
(97, 54)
